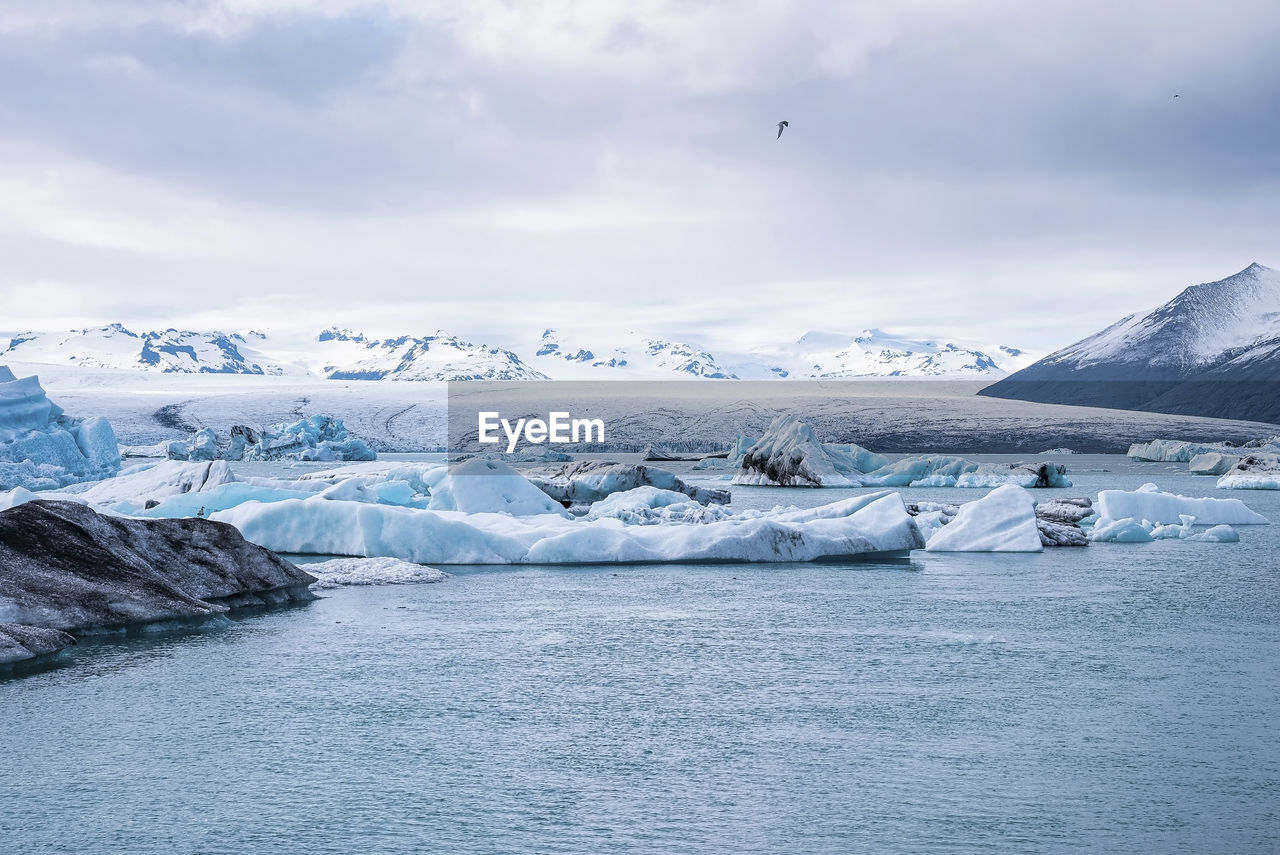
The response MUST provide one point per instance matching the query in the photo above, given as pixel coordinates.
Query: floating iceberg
(790, 455)
(1212, 463)
(733, 460)
(1129, 530)
(340, 572)
(936, 470)
(590, 481)
(1255, 472)
(1149, 503)
(1179, 451)
(863, 525)
(320, 437)
(1002, 521)
(41, 448)
(479, 485)
(148, 484)
(654, 506)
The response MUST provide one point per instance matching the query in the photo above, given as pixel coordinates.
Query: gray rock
(64, 566)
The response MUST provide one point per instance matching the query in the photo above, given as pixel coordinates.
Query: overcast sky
(1014, 172)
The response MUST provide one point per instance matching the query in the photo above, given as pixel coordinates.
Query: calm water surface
(1116, 698)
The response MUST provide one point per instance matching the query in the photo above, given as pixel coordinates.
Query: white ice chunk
(131, 491)
(1149, 503)
(1004, 520)
(1127, 530)
(338, 572)
(1212, 463)
(480, 485)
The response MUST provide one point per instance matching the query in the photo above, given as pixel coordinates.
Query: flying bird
(782, 126)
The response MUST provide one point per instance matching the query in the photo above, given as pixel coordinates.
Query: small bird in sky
(1177, 96)
(782, 126)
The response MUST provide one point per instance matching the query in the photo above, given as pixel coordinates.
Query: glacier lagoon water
(1119, 698)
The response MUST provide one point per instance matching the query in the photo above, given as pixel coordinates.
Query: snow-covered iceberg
(1149, 503)
(1255, 472)
(1004, 520)
(41, 447)
(863, 525)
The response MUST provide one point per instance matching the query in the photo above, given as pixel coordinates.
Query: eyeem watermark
(558, 428)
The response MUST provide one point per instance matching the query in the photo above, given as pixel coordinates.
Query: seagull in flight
(782, 126)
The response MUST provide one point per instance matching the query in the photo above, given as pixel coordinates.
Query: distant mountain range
(341, 354)
(1213, 350)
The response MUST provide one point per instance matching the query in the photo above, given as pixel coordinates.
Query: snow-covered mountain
(342, 354)
(875, 353)
(629, 356)
(166, 351)
(352, 356)
(1212, 350)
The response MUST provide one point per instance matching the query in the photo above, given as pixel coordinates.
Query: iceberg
(1255, 472)
(790, 455)
(319, 437)
(1149, 503)
(1212, 463)
(1127, 530)
(587, 482)
(340, 572)
(479, 485)
(936, 470)
(864, 525)
(1004, 520)
(42, 448)
(148, 484)
(653, 506)
(1179, 451)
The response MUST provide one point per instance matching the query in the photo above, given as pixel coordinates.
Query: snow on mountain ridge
(1193, 329)
(343, 354)
(168, 351)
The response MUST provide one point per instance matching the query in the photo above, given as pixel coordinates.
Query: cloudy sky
(996, 170)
